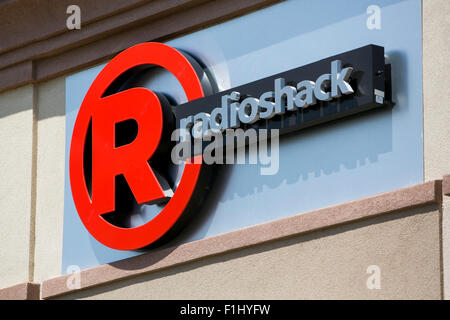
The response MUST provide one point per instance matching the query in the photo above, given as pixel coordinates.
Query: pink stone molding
(23, 291)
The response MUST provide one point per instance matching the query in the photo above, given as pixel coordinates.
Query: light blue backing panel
(319, 167)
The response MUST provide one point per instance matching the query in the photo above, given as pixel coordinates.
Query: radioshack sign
(236, 109)
(326, 90)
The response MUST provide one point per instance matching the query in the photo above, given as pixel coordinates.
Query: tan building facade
(402, 235)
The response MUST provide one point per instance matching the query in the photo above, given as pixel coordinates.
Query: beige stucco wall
(16, 149)
(50, 179)
(326, 264)
(436, 91)
(436, 102)
(32, 207)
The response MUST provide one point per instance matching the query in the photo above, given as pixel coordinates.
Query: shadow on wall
(324, 160)
(46, 97)
(348, 150)
(295, 165)
(16, 101)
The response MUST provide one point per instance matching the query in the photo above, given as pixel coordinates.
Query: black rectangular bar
(370, 74)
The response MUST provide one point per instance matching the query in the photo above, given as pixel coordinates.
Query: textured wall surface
(16, 148)
(50, 178)
(436, 91)
(327, 264)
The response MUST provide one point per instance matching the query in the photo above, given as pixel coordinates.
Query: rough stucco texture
(330, 264)
(50, 179)
(16, 138)
(436, 91)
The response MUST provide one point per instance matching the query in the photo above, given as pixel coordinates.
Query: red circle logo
(101, 114)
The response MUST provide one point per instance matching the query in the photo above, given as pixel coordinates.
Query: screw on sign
(130, 160)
